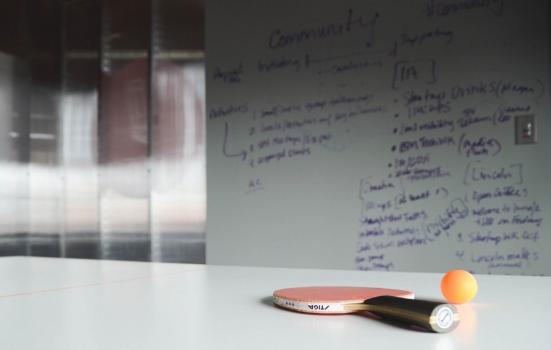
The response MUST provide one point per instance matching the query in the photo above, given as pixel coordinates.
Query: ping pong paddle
(391, 304)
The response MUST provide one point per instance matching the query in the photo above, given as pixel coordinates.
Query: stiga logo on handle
(318, 307)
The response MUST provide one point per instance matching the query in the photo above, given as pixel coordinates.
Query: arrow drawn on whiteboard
(242, 154)
(309, 60)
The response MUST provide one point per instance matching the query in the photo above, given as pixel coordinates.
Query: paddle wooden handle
(430, 315)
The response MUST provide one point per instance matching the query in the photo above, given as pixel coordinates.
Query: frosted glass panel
(102, 135)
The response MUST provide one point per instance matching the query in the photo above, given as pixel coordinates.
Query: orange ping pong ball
(458, 286)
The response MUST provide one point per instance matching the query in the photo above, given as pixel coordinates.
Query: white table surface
(92, 304)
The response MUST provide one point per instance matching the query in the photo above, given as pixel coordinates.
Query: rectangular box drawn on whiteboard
(410, 73)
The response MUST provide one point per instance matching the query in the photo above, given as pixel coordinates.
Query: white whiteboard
(378, 135)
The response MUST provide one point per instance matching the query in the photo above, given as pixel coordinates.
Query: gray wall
(379, 135)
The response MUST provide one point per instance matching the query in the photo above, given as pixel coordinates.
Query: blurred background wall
(102, 129)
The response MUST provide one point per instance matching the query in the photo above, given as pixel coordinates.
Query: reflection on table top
(96, 304)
